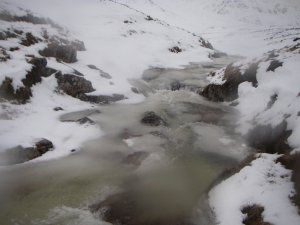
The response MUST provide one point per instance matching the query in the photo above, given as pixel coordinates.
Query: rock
(136, 158)
(176, 85)
(93, 67)
(135, 90)
(76, 72)
(274, 65)
(43, 146)
(233, 78)
(254, 215)
(218, 54)
(78, 45)
(12, 49)
(205, 44)
(38, 69)
(3, 55)
(296, 39)
(85, 120)
(105, 75)
(151, 119)
(58, 109)
(65, 53)
(19, 154)
(270, 139)
(29, 40)
(101, 99)
(149, 18)
(128, 208)
(73, 85)
(21, 95)
(175, 49)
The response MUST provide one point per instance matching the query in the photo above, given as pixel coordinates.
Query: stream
(136, 173)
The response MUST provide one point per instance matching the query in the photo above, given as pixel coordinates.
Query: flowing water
(165, 170)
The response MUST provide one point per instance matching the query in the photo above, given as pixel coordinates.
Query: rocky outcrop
(29, 40)
(19, 154)
(152, 119)
(228, 91)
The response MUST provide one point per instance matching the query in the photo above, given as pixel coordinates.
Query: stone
(58, 109)
(274, 65)
(19, 154)
(65, 53)
(152, 119)
(73, 85)
(85, 120)
(175, 49)
(29, 40)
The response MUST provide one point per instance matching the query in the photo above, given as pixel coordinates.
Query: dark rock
(12, 49)
(43, 146)
(175, 49)
(58, 109)
(93, 67)
(296, 39)
(250, 74)
(78, 45)
(233, 78)
(205, 44)
(29, 18)
(135, 158)
(272, 101)
(105, 75)
(274, 65)
(73, 85)
(3, 55)
(135, 90)
(34, 76)
(85, 120)
(21, 95)
(47, 72)
(149, 18)
(227, 91)
(151, 119)
(76, 72)
(101, 99)
(218, 54)
(73, 150)
(128, 208)
(65, 53)
(270, 139)
(254, 215)
(176, 85)
(29, 40)
(19, 154)
(292, 162)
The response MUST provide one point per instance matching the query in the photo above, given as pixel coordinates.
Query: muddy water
(165, 170)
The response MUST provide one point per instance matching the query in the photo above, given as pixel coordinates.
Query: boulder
(73, 85)
(65, 53)
(19, 154)
(152, 119)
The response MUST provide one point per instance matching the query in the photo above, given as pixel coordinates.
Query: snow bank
(265, 183)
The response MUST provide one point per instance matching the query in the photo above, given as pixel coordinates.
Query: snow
(265, 183)
(37, 119)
